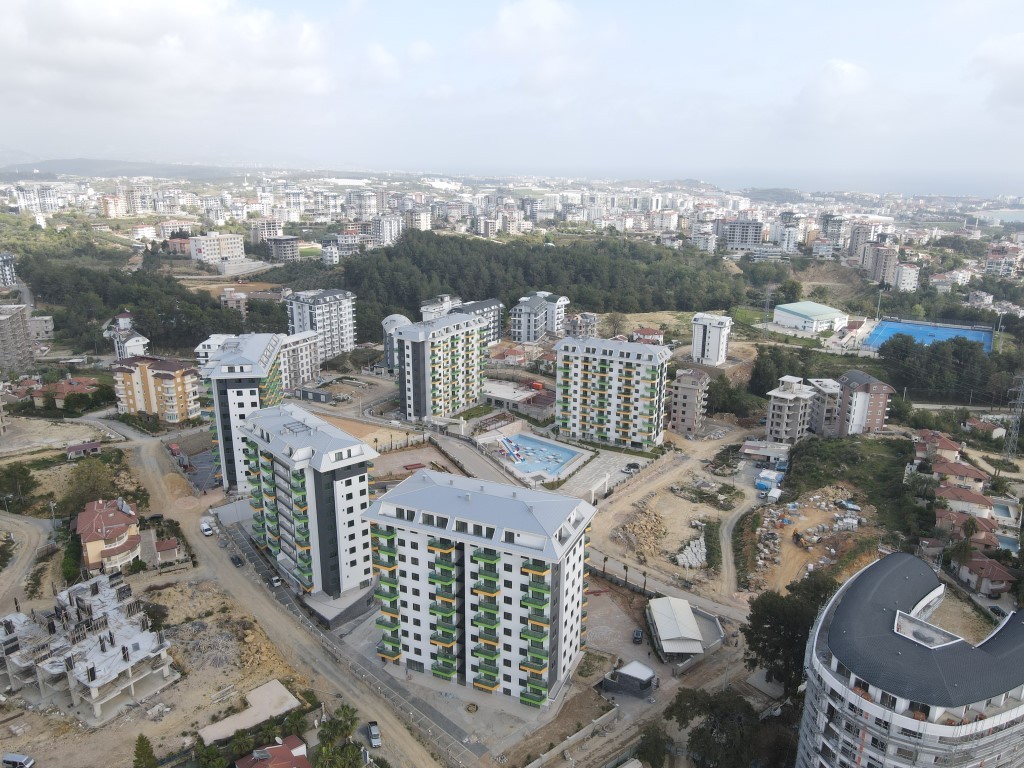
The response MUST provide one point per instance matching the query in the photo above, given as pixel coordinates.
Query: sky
(909, 95)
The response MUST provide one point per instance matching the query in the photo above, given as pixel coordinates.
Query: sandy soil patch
(579, 710)
(957, 614)
(371, 434)
(392, 466)
(26, 434)
(222, 650)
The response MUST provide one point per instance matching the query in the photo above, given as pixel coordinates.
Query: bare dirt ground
(832, 276)
(584, 706)
(958, 615)
(370, 434)
(215, 645)
(678, 323)
(26, 435)
(217, 287)
(392, 466)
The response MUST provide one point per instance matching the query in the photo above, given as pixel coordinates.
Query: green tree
(725, 736)
(778, 626)
(765, 375)
(90, 480)
(652, 749)
(616, 323)
(16, 480)
(789, 292)
(144, 755)
(294, 724)
(340, 727)
(242, 742)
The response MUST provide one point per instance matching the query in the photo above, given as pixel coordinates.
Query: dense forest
(608, 275)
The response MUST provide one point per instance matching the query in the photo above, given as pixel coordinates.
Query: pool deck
(537, 474)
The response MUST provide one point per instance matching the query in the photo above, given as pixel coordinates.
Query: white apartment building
(361, 204)
(300, 359)
(441, 365)
(168, 228)
(536, 314)
(217, 248)
(127, 341)
(387, 229)
(490, 310)
(389, 325)
(789, 410)
(7, 275)
(689, 401)
(908, 277)
(328, 311)
(482, 583)
(611, 391)
(242, 374)
(334, 248)
(418, 219)
(885, 687)
(705, 241)
(743, 235)
(439, 306)
(710, 338)
(308, 484)
(261, 229)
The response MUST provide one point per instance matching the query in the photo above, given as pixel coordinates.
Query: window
(887, 700)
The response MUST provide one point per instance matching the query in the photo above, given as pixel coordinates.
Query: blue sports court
(926, 333)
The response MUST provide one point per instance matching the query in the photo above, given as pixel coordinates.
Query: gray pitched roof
(861, 635)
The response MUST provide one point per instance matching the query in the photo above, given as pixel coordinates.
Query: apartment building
(390, 324)
(418, 219)
(439, 306)
(387, 229)
(7, 276)
(166, 389)
(242, 374)
(688, 401)
(710, 338)
(283, 248)
(217, 248)
(886, 262)
(165, 229)
(488, 309)
(826, 408)
(441, 364)
(885, 687)
(789, 410)
(611, 391)
(232, 298)
(582, 325)
(105, 662)
(16, 348)
(308, 484)
(334, 248)
(908, 277)
(262, 229)
(330, 313)
(865, 403)
(300, 359)
(127, 341)
(482, 583)
(743, 235)
(536, 314)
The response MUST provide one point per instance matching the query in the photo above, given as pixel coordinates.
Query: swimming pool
(1001, 510)
(926, 333)
(1008, 542)
(537, 455)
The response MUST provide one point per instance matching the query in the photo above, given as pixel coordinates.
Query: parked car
(638, 636)
(155, 518)
(237, 561)
(996, 610)
(206, 529)
(275, 581)
(373, 731)
(14, 760)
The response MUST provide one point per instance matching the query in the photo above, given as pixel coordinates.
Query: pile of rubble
(644, 531)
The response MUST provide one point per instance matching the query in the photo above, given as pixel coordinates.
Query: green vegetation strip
(713, 544)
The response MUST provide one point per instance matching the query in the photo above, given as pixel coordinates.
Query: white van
(12, 760)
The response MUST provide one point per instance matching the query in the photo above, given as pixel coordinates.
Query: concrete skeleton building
(441, 365)
(789, 410)
(536, 314)
(887, 688)
(166, 389)
(92, 656)
(330, 313)
(857, 403)
(308, 483)
(611, 391)
(582, 325)
(710, 338)
(482, 582)
(688, 401)
(261, 229)
(283, 248)
(16, 349)
(217, 248)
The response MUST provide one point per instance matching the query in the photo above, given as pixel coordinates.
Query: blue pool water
(1008, 542)
(541, 456)
(925, 333)
(1001, 510)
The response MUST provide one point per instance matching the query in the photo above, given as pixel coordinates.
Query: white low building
(810, 317)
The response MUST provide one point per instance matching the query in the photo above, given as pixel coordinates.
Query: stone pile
(694, 555)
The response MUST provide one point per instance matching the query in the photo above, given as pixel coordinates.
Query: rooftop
(439, 326)
(811, 310)
(655, 353)
(296, 436)
(102, 520)
(255, 351)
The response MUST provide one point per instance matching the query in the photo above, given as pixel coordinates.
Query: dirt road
(28, 534)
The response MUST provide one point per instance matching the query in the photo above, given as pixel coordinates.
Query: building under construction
(92, 655)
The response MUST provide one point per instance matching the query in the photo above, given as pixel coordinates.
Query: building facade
(810, 317)
(16, 348)
(261, 229)
(127, 341)
(283, 248)
(109, 531)
(482, 583)
(330, 313)
(611, 391)
(908, 277)
(242, 375)
(490, 310)
(439, 306)
(710, 338)
(536, 314)
(689, 401)
(887, 688)
(826, 408)
(865, 403)
(308, 484)
(300, 359)
(441, 364)
(7, 276)
(789, 410)
(217, 248)
(167, 389)
(389, 325)
(232, 298)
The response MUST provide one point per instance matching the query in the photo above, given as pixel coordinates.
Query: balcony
(535, 651)
(443, 669)
(387, 623)
(385, 564)
(486, 588)
(385, 594)
(486, 556)
(444, 639)
(536, 635)
(444, 579)
(444, 564)
(537, 568)
(539, 602)
(391, 610)
(526, 664)
(390, 654)
(539, 619)
(538, 684)
(491, 638)
(485, 652)
(483, 620)
(305, 580)
(446, 626)
(490, 606)
(445, 594)
(385, 549)
(486, 683)
(442, 609)
(541, 586)
(382, 533)
(532, 698)
(442, 546)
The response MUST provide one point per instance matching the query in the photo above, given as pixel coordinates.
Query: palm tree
(328, 756)
(294, 724)
(242, 743)
(969, 528)
(347, 718)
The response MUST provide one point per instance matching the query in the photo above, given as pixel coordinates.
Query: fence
(597, 727)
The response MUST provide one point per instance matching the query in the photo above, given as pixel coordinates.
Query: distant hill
(88, 167)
